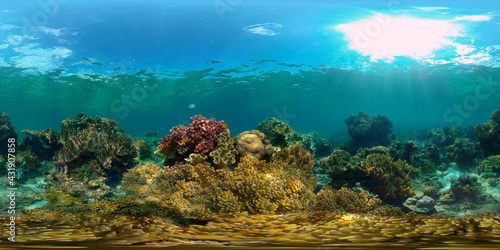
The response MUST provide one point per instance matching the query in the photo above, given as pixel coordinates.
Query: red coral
(200, 137)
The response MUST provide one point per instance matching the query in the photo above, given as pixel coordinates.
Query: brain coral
(251, 142)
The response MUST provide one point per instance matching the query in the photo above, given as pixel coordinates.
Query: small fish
(185, 140)
(88, 130)
(192, 106)
(224, 125)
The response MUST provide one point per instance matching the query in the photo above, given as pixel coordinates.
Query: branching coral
(391, 179)
(200, 137)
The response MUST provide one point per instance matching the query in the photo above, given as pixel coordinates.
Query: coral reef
(342, 168)
(368, 131)
(275, 131)
(488, 135)
(391, 179)
(253, 187)
(93, 157)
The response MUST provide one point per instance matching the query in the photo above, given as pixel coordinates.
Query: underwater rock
(488, 135)
(368, 131)
(420, 204)
(275, 131)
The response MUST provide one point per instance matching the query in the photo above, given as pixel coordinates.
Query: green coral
(391, 178)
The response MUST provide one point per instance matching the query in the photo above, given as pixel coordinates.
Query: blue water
(143, 62)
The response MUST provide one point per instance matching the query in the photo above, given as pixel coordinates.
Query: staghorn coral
(488, 135)
(369, 131)
(344, 200)
(391, 179)
(275, 130)
(200, 137)
(224, 154)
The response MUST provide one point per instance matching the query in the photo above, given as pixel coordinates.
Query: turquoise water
(240, 61)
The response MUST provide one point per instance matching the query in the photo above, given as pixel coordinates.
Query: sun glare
(384, 37)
